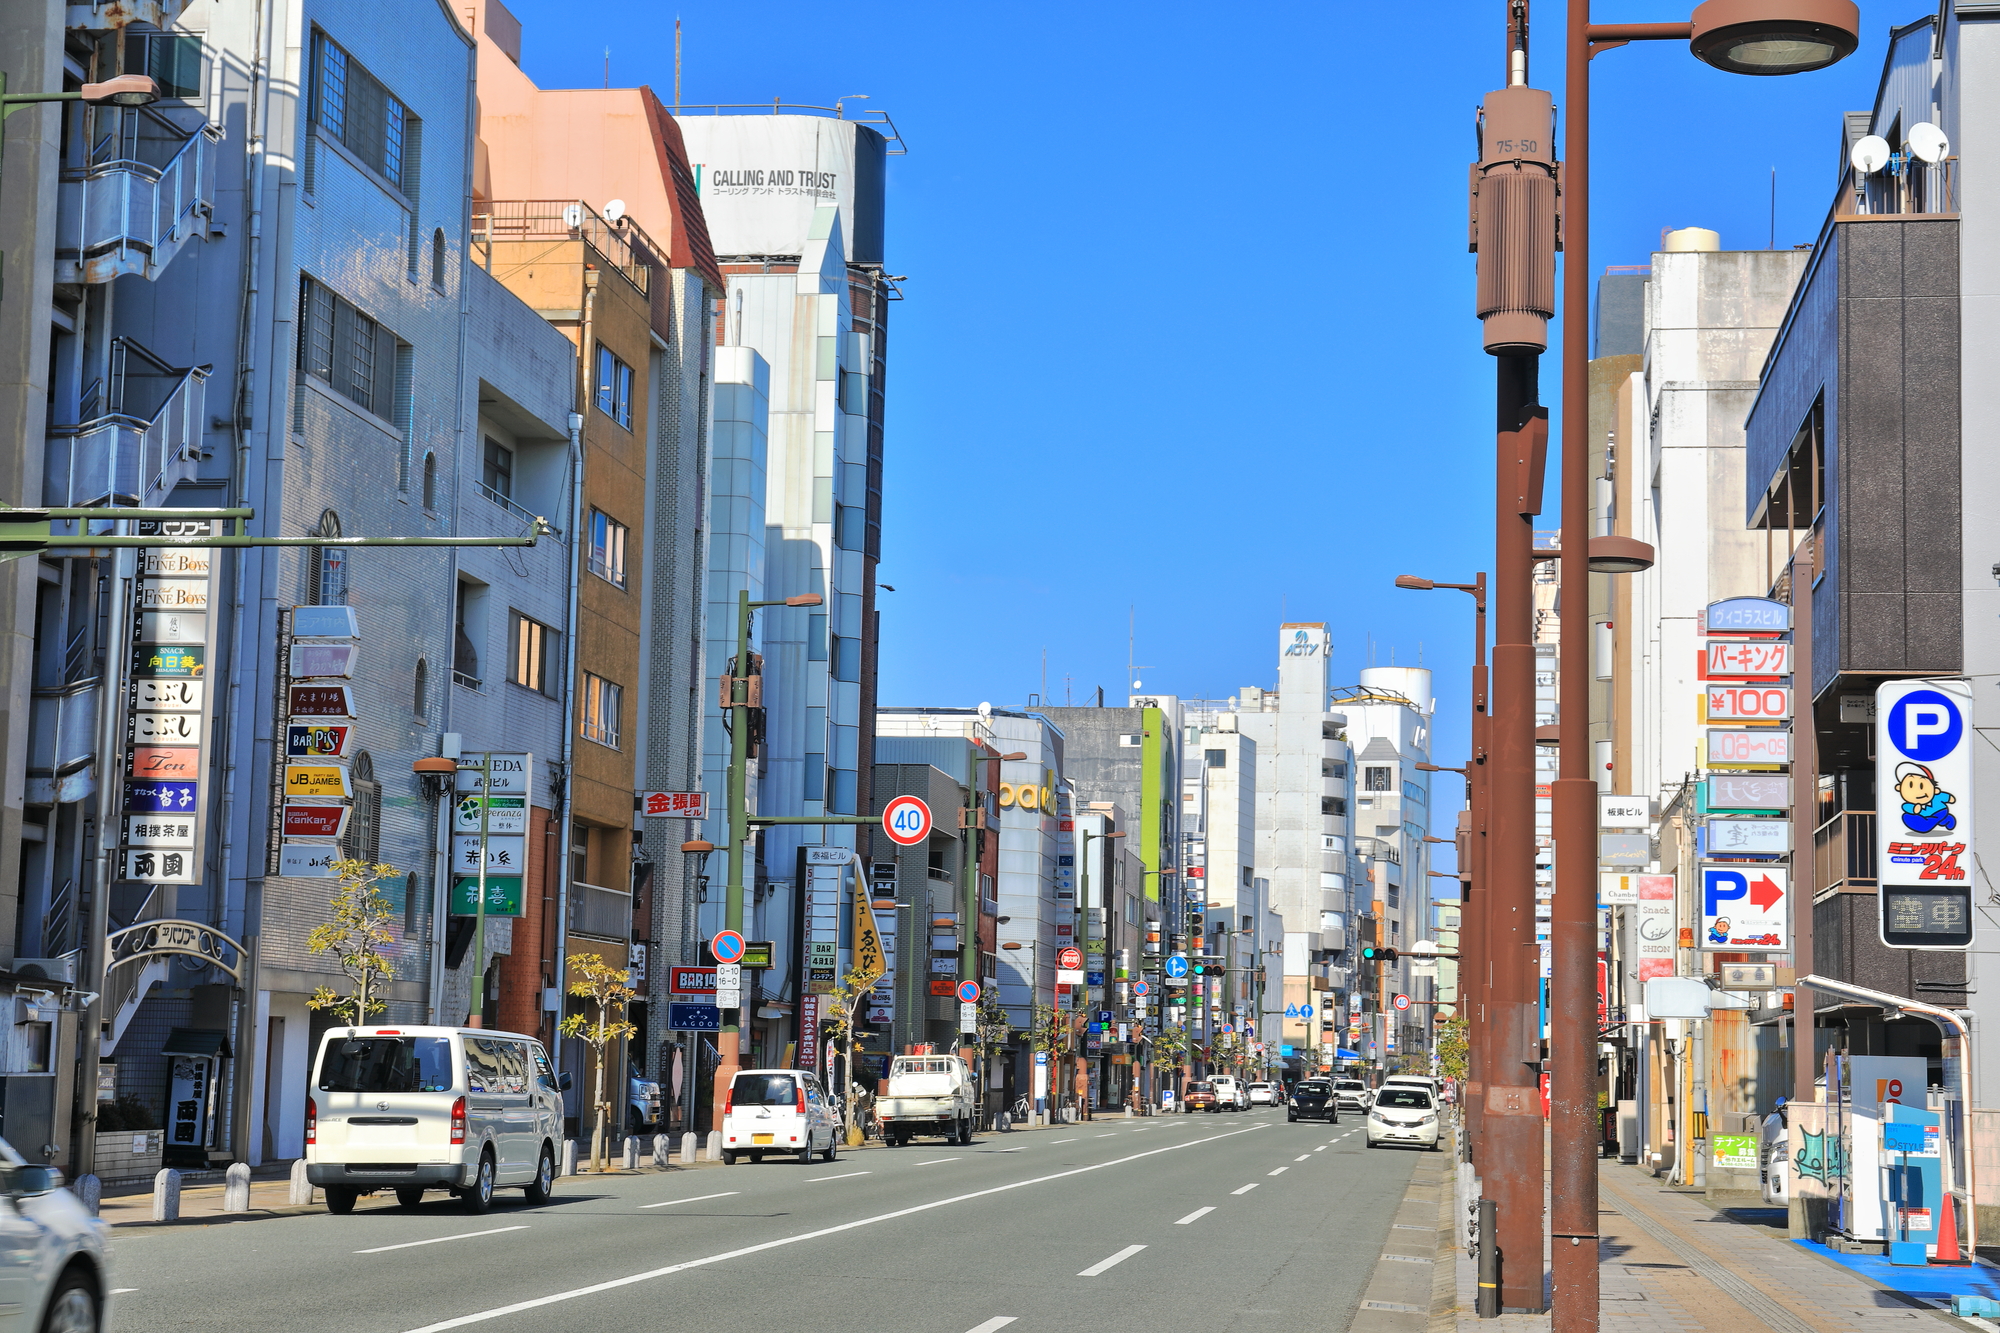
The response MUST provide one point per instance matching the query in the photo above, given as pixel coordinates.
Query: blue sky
(1189, 324)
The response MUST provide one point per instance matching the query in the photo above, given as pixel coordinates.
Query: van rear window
(387, 1064)
(764, 1090)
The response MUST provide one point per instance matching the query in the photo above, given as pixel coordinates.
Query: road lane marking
(1024, 1147)
(1194, 1216)
(814, 1180)
(696, 1199)
(1280, 1171)
(1101, 1136)
(934, 1161)
(1321, 1148)
(1112, 1262)
(1245, 1190)
(1053, 1141)
(120, 1291)
(576, 1293)
(994, 1325)
(439, 1240)
(1304, 1156)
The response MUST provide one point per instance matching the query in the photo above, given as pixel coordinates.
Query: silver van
(417, 1108)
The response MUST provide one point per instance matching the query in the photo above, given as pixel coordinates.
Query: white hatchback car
(1403, 1114)
(778, 1111)
(1264, 1094)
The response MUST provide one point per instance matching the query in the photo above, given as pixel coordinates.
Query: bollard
(663, 1153)
(690, 1143)
(89, 1191)
(167, 1195)
(1004, 1123)
(236, 1188)
(714, 1147)
(302, 1190)
(631, 1162)
(569, 1157)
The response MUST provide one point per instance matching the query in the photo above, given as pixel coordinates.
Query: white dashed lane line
(1246, 1189)
(934, 1161)
(1194, 1216)
(696, 1199)
(814, 1180)
(1116, 1259)
(1280, 1171)
(1303, 1156)
(439, 1240)
(994, 1325)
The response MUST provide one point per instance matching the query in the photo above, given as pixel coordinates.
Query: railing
(515, 509)
(1908, 185)
(57, 920)
(145, 441)
(124, 214)
(127, 982)
(1844, 851)
(557, 220)
(595, 910)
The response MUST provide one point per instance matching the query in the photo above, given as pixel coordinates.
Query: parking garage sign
(1924, 826)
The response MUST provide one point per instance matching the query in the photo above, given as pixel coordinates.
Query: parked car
(1352, 1094)
(1403, 1114)
(1230, 1094)
(778, 1111)
(52, 1251)
(417, 1108)
(1313, 1099)
(642, 1111)
(1265, 1094)
(928, 1094)
(1199, 1097)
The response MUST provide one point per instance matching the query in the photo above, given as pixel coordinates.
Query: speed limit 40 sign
(906, 820)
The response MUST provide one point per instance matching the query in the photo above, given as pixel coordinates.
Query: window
(607, 548)
(326, 578)
(531, 655)
(1335, 768)
(614, 387)
(364, 827)
(431, 482)
(464, 654)
(388, 1064)
(355, 356)
(1375, 778)
(351, 106)
(1395, 895)
(437, 259)
(1332, 805)
(420, 692)
(1246, 877)
(172, 59)
(602, 704)
(497, 476)
(1216, 758)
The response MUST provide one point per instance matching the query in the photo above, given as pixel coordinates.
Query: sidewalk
(1669, 1263)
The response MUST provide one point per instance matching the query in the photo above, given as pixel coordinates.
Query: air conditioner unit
(48, 969)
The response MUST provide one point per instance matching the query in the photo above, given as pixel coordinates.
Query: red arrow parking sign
(1745, 907)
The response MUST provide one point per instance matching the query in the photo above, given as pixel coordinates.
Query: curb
(1413, 1288)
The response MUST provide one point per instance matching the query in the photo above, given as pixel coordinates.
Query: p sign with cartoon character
(1923, 828)
(1745, 907)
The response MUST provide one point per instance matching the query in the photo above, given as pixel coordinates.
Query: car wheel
(756, 1159)
(832, 1148)
(634, 1122)
(728, 1157)
(73, 1308)
(1291, 1119)
(806, 1151)
(409, 1196)
(543, 1187)
(340, 1199)
(478, 1197)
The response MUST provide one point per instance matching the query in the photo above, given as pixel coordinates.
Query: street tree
(1452, 1047)
(607, 989)
(836, 1025)
(357, 936)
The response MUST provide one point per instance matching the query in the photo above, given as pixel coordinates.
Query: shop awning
(211, 1042)
(1346, 1055)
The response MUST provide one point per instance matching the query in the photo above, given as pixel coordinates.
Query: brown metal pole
(1574, 1131)
(1475, 894)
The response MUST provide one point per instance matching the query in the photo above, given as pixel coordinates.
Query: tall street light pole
(1743, 37)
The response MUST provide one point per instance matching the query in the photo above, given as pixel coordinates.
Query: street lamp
(1742, 37)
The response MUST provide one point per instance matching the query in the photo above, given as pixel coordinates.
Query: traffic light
(1378, 953)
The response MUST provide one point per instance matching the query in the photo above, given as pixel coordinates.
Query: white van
(417, 1108)
(778, 1111)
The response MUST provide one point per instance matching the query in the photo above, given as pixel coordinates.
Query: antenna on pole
(607, 67)
(1774, 208)
(677, 64)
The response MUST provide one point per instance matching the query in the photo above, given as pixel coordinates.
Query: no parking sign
(1923, 831)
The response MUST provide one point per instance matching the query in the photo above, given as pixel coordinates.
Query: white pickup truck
(928, 1094)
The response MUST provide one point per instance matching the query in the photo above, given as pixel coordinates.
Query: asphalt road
(1115, 1225)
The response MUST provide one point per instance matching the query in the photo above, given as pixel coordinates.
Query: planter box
(129, 1154)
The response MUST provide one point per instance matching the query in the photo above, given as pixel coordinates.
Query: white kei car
(1403, 1114)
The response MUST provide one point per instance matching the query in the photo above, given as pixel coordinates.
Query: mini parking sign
(1923, 826)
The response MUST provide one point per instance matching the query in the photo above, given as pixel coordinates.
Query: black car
(1312, 1099)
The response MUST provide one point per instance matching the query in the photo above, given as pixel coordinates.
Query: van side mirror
(564, 1081)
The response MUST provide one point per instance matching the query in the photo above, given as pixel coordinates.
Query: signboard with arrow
(1745, 907)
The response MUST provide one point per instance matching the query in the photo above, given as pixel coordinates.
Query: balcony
(558, 220)
(62, 743)
(147, 190)
(1844, 853)
(600, 912)
(139, 437)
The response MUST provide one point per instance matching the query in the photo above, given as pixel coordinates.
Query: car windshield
(1351, 1085)
(1199, 1087)
(1409, 1099)
(387, 1064)
(763, 1090)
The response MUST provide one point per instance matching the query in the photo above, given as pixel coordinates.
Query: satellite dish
(1870, 155)
(1136, 684)
(1927, 141)
(614, 210)
(573, 216)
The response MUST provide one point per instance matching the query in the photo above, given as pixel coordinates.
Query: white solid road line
(1194, 1216)
(993, 1325)
(575, 1293)
(814, 1180)
(1112, 1262)
(934, 1161)
(120, 1291)
(1280, 1171)
(1245, 1190)
(696, 1199)
(439, 1240)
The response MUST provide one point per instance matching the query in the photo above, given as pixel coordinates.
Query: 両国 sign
(907, 820)
(1745, 907)
(1924, 843)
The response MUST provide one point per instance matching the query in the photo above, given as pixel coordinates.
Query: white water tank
(1689, 239)
(1413, 683)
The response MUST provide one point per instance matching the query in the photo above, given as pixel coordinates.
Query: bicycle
(1021, 1109)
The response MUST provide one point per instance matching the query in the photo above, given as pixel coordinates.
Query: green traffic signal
(1378, 953)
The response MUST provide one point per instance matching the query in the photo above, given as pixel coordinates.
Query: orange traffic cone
(1947, 1241)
